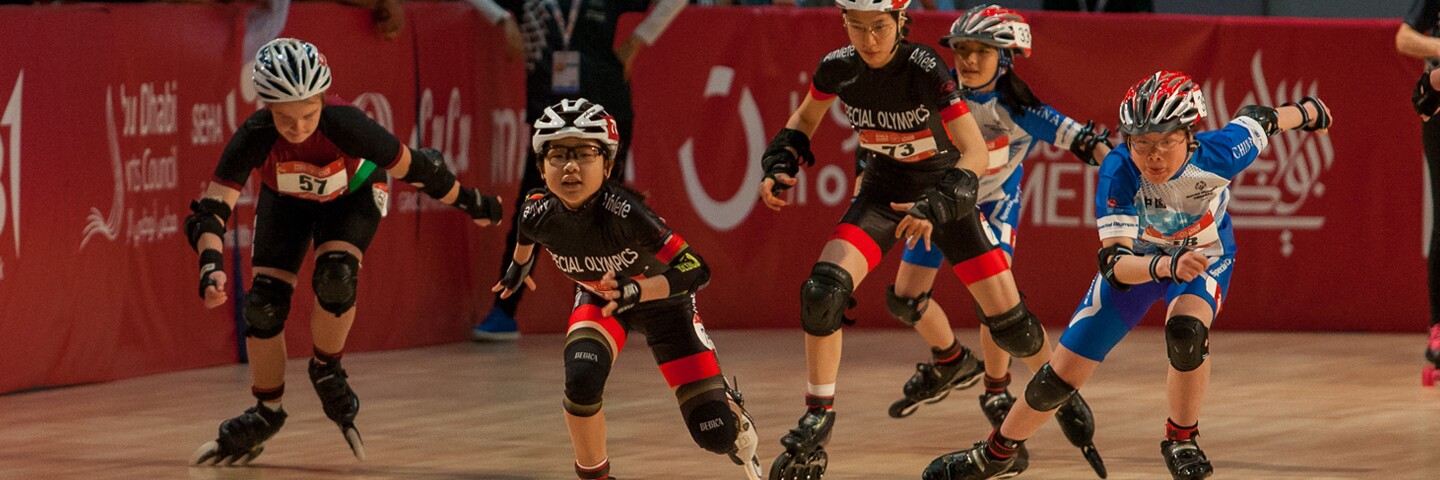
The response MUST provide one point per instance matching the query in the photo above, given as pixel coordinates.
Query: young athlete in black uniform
(632, 273)
(322, 164)
(903, 102)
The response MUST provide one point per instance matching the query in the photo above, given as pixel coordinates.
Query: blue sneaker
(497, 327)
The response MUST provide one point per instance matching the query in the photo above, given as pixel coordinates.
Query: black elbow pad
(1267, 117)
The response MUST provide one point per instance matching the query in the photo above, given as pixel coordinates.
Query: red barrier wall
(105, 139)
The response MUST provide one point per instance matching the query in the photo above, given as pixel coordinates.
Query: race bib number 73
(902, 146)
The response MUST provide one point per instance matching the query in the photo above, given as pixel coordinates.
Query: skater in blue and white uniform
(985, 41)
(1165, 235)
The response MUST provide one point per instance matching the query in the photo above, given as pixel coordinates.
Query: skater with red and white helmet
(1165, 235)
(923, 154)
(323, 167)
(986, 41)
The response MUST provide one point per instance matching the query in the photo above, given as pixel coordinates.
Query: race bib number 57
(311, 182)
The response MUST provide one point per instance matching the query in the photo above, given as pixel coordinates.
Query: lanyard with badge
(565, 66)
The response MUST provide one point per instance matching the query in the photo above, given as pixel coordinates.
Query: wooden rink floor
(1281, 406)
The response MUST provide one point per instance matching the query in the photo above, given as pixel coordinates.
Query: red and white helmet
(576, 118)
(1163, 102)
(288, 69)
(874, 5)
(992, 25)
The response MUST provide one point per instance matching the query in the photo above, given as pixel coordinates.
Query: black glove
(516, 273)
(629, 292)
(951, 199)
(1425, 98)
(778, 159)
(1084, 144)
(211, 261)
(479, 206)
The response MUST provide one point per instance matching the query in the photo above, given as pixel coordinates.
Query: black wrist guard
(202, 219)
(629, 292)
(516, 273)
(478, 206)
(211, 260)
(951, 199)
(1425, 99)
(1084, 144)
(779, 159)
(1322, 118)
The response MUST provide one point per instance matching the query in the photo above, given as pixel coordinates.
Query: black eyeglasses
(558, 156)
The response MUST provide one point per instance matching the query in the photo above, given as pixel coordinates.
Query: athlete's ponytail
(1015, 94)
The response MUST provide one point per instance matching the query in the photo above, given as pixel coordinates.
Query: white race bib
(999, 154)
(902, 146)
(311, 182)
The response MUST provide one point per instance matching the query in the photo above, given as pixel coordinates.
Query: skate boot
(933, 381)
(339, 401)
(995, 403)
(1185, 459)
(804, 457)
(977, 463)
(746, 439)
(242, 438)
(1431, 375)
(1078, 423)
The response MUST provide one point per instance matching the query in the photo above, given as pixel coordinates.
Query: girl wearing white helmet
(632, 273)
(906, 108)
(320, 186)
(985, 40)
(1165, 235)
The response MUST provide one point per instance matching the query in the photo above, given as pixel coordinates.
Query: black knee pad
(711, 422)
(907, 310)
(1016, 331)
(1047, 391)
(337, 275)
(824, 298)
(266, 306)
(587, 366)
(1188, 342)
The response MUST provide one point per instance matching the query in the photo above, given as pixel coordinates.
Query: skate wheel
(206, 453)
(1430, 376)
(246, 458)
(777, 469)
(357, 445)
(903, 408)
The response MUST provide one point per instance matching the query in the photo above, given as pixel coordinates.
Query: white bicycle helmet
(288, 69)
(576, 118)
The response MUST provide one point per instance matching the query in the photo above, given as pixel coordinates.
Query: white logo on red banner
(1270, 194)
(151, 112)
(10, 168)
(722, 215)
